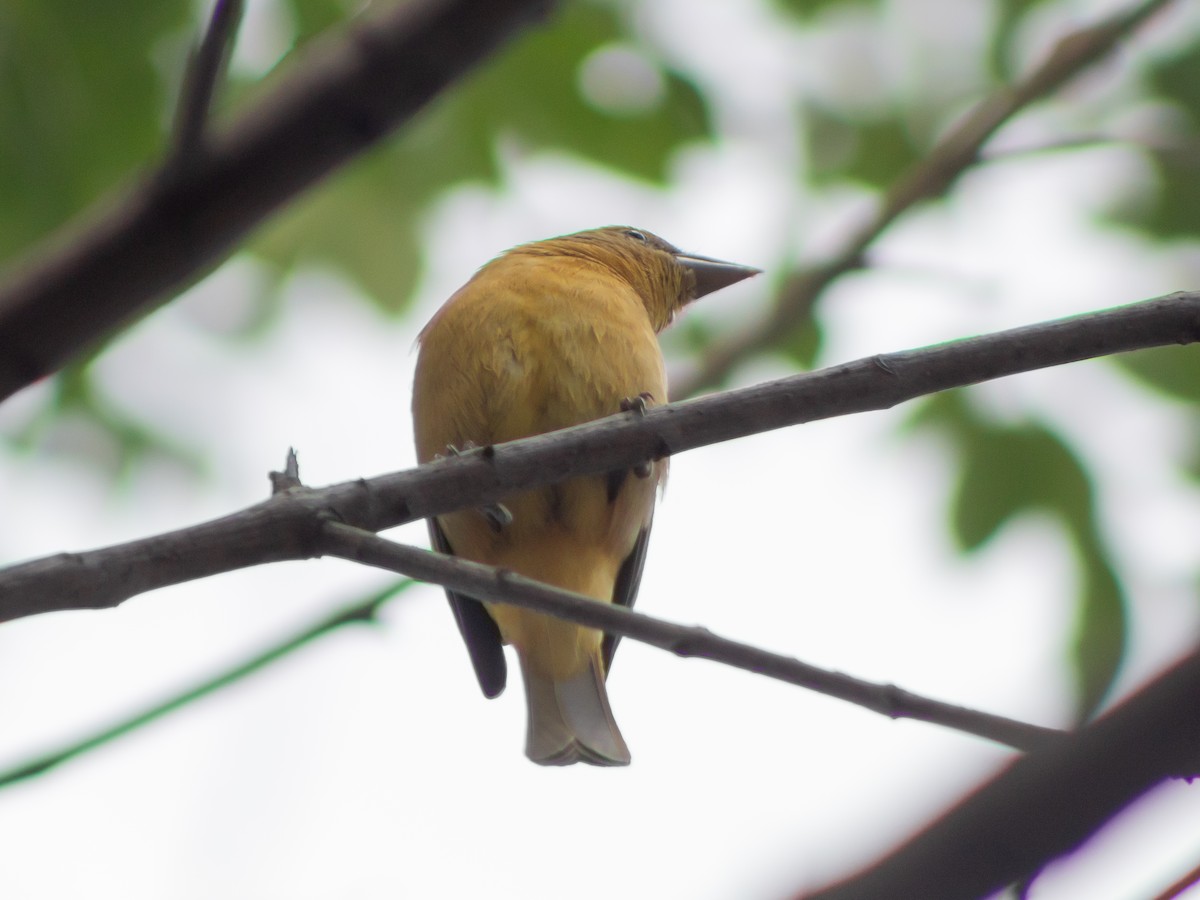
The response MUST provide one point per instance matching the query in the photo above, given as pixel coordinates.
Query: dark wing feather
(613, 482)
(629, 579)
(478, 629)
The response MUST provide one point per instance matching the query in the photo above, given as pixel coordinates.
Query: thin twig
(343, 98)
(290, 476)
(363, 611)
(485, 582)
(295, 523)
(931, 177)
(288, 525)
(501, 586)
(205, 69)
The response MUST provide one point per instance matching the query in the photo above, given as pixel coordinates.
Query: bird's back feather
(531, 345)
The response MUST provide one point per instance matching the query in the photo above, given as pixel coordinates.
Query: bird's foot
(497, 515)
(638, 404)
(452, 450)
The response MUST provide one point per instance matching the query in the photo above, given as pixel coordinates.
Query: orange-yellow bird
(549, 335)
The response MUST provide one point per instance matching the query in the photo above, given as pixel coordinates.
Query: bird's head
(666, 278)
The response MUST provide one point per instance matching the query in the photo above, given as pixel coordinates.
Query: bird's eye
(636, 235)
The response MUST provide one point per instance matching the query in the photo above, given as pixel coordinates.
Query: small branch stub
(290, 476)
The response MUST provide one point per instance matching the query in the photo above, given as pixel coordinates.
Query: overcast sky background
(368, 765)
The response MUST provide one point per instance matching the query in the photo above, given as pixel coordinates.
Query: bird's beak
(714, 274)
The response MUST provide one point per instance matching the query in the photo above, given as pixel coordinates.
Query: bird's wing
(629, 579)
(478, 629)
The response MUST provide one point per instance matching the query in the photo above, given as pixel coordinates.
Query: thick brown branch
(487, 583)
(287, 526)
(931, 177)
(1048, 803)
(184, 221)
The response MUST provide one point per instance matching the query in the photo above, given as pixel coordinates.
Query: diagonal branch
(957, 151)
(1182, 884)
(288, 526)
(183, 222)
(1048, 803)
(502, 586)
(492, 584)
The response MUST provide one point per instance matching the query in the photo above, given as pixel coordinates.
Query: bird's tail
(570, 720)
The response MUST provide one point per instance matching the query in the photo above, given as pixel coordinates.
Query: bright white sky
(369, 766)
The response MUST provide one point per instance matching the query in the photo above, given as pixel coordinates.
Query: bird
(548, 335)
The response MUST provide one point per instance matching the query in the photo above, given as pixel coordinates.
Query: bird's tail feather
(570, 720)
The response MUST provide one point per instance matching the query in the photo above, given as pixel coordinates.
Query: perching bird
(552, 334)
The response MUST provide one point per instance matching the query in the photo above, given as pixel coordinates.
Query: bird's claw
(497, 515)
(453, 450)
(638, 404)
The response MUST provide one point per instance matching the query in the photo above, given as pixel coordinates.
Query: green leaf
(1177, 79)
(808, 9)
(873, 151)
(1191, 464)
(1009, 14)
(82, 104)
(533, 92)
(803, 343)
(312, 17)
(985, 498)
(1010, 470)
(1101, 630)
(1005, 470)
(1173, 212)
(364, 227)
(365, 223)
(1175, 371)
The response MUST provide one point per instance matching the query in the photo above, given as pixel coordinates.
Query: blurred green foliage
(1175, 371)
(366, 225)
(806, 9)
(86, 102)
(83, 104)
(314, 17)
(1010, 14)
(870, 150)
(1174, 212)
(84, 109)
(1008, 471)
(106, 434)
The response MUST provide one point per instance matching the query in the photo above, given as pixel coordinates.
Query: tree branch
(363, 612)
(289, 525)
(181, 223)
(499, 586)
(1048, 803)
(1181, 885)
(502, 586)
(931, 177)
(206, 68)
